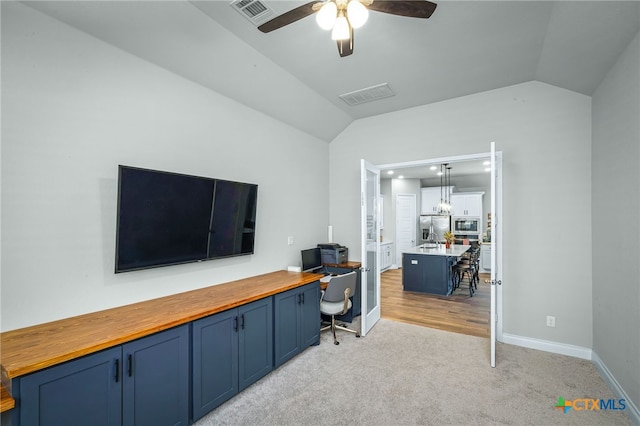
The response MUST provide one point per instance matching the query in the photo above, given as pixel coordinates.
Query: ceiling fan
(342, 16)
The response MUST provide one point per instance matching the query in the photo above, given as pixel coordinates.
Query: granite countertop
(455, 250)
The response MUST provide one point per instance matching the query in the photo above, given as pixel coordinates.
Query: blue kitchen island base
(427, 270)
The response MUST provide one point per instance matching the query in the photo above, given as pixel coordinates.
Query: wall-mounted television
(166, 218)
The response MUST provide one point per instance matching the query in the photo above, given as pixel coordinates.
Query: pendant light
(442, 196)
(448, 182)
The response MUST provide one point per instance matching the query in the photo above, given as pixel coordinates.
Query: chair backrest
(337, 285)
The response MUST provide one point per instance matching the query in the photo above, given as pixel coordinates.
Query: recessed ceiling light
(487, 169)
(432, 168)
(390, 172)
(439, 173)
(400, 177)
(486, 163)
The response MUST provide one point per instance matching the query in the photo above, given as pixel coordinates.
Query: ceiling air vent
(368, 94)
(255, 11)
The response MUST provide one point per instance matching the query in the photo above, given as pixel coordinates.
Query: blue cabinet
(296, 321)
(255, 341)
(156, 379)
(144, 382)
(427, 273)
(84, 391)
(231, 350)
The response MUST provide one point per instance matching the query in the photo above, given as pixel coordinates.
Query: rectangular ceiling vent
(368, 94)
(255, 11)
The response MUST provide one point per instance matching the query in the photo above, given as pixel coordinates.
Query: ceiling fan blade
(289, 17)
(345, 47)
(410, 8)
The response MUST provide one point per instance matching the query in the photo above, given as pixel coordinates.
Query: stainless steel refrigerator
(441, 223)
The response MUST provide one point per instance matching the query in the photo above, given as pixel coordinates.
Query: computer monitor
(311, 260)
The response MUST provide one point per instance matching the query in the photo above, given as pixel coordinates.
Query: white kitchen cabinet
(467, 204)
(386, 252)
(431, 197)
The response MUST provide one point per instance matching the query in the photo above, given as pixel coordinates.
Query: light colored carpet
(403, 374)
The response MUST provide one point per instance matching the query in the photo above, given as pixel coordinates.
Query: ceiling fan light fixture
(341, 29)
(326, 16)
(357, 13)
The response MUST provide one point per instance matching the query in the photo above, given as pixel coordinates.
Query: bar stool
(467, 265)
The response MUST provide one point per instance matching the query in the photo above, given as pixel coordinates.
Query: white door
(370, 246)
(406, 224)
(496, 239)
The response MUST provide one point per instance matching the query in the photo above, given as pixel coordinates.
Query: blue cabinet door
(310, 315)
(296, 321)
(86, 391)
(156, 379)
(286, 313)
(255, 341)
(215, 361)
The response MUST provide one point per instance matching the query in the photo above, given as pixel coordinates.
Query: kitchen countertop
(455, 250)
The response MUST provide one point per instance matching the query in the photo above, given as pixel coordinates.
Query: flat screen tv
(169, 218)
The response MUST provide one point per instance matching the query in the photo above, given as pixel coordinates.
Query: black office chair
(335, 301)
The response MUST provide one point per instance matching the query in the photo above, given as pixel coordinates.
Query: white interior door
(370, 246)
(406, 224)
(496, 237)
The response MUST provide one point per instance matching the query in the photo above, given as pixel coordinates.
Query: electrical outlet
(551, 321)
(290, 241)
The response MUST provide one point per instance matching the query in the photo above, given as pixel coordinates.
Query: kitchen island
(428, 269)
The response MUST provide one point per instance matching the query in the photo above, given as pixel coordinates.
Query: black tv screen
(169, 218)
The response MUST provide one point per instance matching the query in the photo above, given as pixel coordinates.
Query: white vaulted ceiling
(296, 75)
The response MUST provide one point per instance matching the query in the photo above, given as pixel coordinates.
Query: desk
(31, 349)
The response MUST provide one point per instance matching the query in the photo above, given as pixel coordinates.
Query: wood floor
(457, 313)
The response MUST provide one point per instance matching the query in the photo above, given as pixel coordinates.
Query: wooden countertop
(33, 348)
(349, 264)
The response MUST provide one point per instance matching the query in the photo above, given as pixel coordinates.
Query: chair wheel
(336, 343)
(357, 334)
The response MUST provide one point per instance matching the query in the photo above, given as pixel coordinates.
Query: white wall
(616, 232)
(545, 135)
(73, 109)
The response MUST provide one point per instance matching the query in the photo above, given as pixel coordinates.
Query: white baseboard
(548, 346)
(578, 352)
(615, 387)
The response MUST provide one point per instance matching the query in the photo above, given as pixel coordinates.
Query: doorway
(405, 223)
(459, 161)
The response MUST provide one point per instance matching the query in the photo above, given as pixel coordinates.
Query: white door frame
(499, 184)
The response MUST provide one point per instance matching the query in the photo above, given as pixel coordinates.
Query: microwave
(466, 225)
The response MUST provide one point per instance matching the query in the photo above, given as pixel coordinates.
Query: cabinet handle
(117, 375)
(129, 365)
(235, 323)
(302, 296)
(242, 323)
(299, 298)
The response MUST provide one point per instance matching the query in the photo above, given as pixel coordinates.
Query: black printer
(333, 253)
